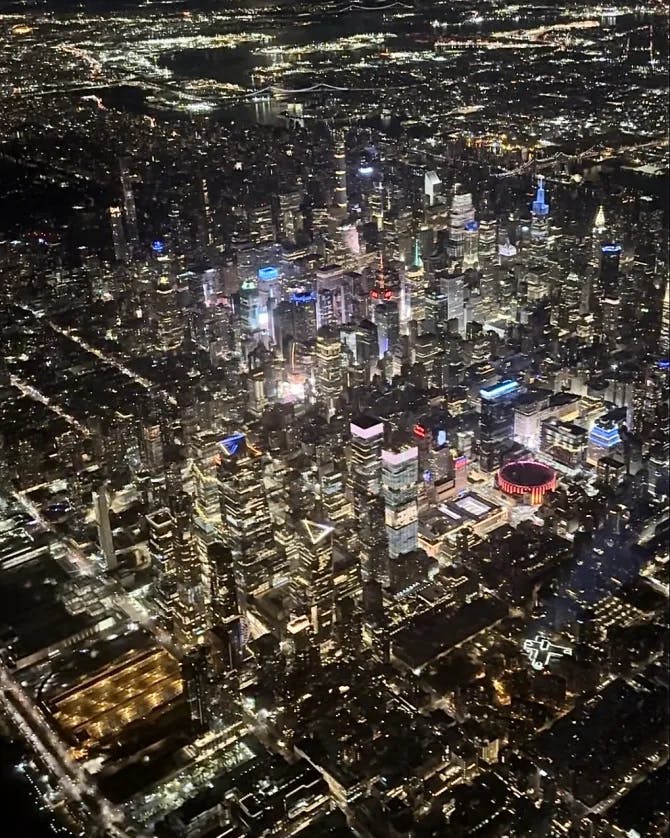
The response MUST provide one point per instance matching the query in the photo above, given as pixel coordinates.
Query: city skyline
(334, 419)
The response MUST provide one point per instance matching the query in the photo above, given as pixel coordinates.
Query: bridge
(275, 90)
(594, 153)
(361, 7)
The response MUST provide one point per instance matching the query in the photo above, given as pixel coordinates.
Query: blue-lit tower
(539, 212)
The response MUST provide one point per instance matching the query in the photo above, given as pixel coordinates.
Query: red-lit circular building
(528, 478)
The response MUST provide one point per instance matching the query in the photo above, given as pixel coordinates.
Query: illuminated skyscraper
(568, 310)
(151, 445)
(387, 320)
(169, 323)
(496, 420)
(461, 213)
(290, 216)
(539, 213)
(413, 296)
(598, 234)
(452, 287)
(161, 544)
(471, 244)
(261, 225)
(367, 434)
(488, 262)
(335, 505)
(249, 306)
(189, 618)
(206, 454)
(328, 356)
(333, 296)
(400, 473)
(247, 525)
(431, 187)
(312, 578)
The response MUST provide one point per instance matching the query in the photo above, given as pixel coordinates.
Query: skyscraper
(328, 357)
(247, 525)
(226, 618)
(335, 505)
(387, 320)
(333, 296)
(413, 297)
(608, 276)
(471, 244)
(312, 578)
(169, 323)
(539, 213)
(461, 212)
(452, 286)
(400, 473)
(105, 540)
(367, 434)
(121, 253)
(496, 420)
(129, 208)
(189, 617)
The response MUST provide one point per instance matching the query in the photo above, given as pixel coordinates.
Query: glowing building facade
(400, 474)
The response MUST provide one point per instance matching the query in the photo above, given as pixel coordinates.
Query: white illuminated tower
(461, 212)
(400, 474)
(598, 233)
(367, 434)
(328, 357)
(412, 292)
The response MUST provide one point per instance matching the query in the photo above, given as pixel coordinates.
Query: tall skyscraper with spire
(412, 291)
